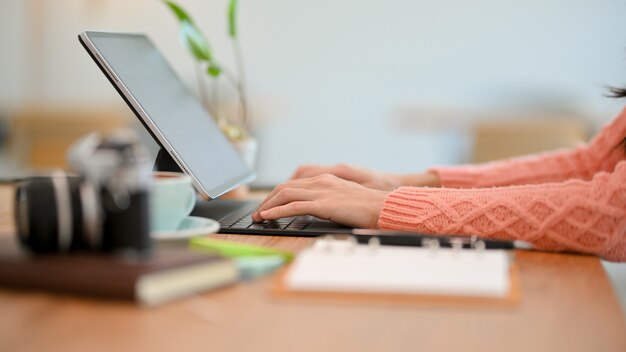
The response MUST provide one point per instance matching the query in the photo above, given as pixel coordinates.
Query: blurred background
(398, 85)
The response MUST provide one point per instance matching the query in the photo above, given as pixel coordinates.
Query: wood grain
(567, 304)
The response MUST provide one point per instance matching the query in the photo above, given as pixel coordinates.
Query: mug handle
(192, 200)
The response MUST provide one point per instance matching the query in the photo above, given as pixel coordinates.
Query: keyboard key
(275, 226)
(245, 222)
(229, 220)
(227, 223)
(296, 225)
(283, 222)
(300, 222)
(258, 225)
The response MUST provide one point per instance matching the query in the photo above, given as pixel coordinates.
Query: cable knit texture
(560, 201)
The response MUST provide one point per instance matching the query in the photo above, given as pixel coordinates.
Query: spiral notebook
(340, 269)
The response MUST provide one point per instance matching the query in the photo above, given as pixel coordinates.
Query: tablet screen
(171, 111)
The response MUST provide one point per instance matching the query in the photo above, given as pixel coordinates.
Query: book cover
(167, 274)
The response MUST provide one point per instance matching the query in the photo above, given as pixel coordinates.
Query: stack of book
(167, 274)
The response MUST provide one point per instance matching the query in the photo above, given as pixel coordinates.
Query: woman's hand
(326, 197)
(364, 177)
(368, 178)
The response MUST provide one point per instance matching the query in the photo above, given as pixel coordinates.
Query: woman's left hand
(326, 197)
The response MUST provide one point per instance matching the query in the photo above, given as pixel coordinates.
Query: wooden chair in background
(39, 137)
(499, 139)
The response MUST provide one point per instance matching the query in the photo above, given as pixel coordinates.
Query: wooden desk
(567, 305)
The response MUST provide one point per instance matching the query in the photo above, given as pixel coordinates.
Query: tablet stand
(164, 162)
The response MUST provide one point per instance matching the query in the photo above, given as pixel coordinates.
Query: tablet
(168, 110)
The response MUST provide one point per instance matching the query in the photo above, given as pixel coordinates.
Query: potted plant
(234, 123)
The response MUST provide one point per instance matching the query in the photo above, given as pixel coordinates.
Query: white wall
(328, 77)
(12, 30)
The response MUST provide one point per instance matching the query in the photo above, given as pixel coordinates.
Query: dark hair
(615, 92)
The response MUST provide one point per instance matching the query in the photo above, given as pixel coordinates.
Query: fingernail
(264, 213)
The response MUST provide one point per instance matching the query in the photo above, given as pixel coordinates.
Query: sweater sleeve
(580, 163)
(575, 215)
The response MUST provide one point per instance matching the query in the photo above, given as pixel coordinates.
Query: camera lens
(48, 214)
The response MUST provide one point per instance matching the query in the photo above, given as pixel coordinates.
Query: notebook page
(341, 267)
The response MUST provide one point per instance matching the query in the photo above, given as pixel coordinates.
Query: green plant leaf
(195, 41)
(190, 35)
(178, 11)
(232, 18)
(214, 70)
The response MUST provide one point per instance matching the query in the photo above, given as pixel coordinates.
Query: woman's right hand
(368, 178)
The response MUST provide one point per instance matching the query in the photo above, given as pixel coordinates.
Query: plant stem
(216, 99)
(242, 99)
(202, 91)
(241, 87)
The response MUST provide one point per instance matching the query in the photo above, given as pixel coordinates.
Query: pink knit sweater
(570, 200)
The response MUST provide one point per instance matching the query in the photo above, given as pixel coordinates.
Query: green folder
(236, 249)
(252, 261)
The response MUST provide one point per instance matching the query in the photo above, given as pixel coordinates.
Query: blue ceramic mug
(172, 199)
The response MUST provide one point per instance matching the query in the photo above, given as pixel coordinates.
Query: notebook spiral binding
(330, 243)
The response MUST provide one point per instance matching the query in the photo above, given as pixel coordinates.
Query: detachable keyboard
(246, 222)
(235, 218)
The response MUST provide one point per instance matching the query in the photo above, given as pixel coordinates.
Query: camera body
(104, 207)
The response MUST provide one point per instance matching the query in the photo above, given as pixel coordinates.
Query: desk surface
(567, 305)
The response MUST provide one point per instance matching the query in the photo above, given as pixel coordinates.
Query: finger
(280, 187)
(347, 172)
(286, 196)
(307, 171)
(289, 184)
(291, 209)
(343, 171)
(324, 181)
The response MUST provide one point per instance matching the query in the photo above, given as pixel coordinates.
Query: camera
(104, 207)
